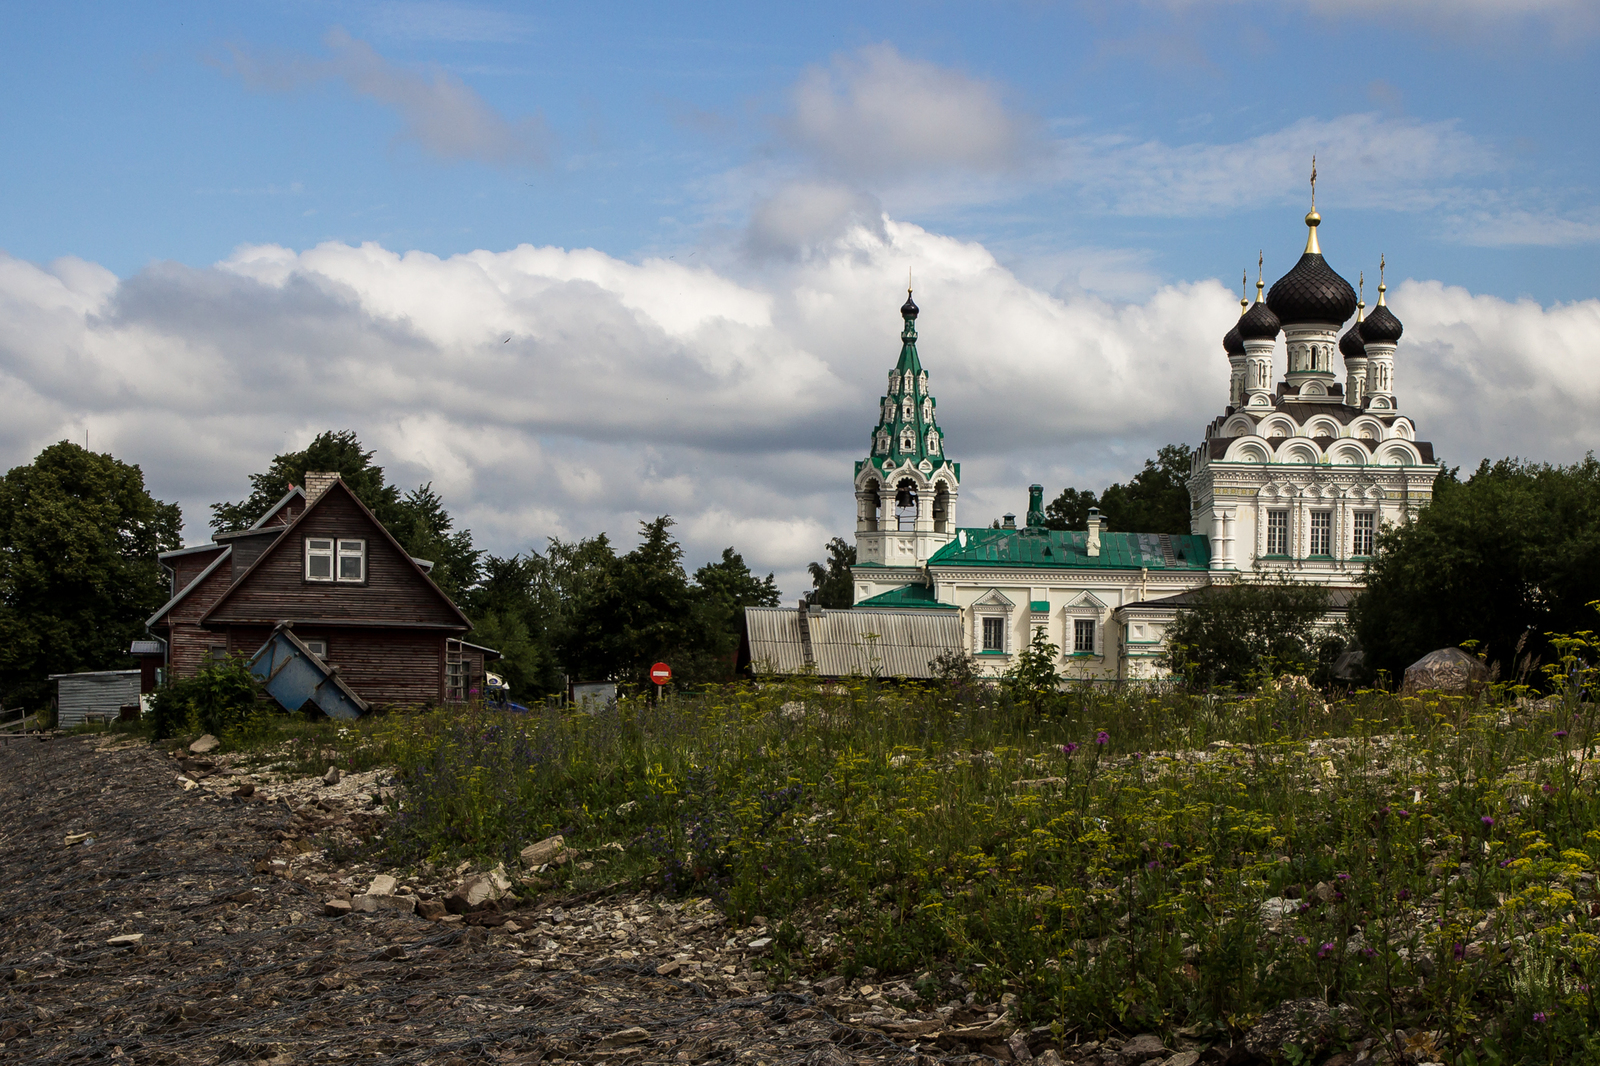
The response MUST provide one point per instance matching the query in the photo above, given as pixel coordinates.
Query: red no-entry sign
(661, 673)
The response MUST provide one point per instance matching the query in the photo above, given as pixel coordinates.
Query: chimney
(1093, 542)
(1035, 506)
(318, 482)
(1009, 522)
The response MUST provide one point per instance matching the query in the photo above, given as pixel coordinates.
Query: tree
(1155, 500)
(1506, 558)
(832, 584)
(79, 535)
(333, 451)
(509, 616)
(1231, 636)
(728, 587)
(423, 528)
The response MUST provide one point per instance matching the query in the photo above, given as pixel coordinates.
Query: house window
(317, 646)
(994, 634)
(1277, 532)
(1365, 521)
(1321, 532)
(319, 559)
(352, 560)
(217, 651)
(1083, 636)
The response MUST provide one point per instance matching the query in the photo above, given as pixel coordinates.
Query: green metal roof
(1065, 550)
(907, 596)
(906, 423)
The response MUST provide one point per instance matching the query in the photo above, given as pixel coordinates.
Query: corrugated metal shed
(97, 695)
(852, 643)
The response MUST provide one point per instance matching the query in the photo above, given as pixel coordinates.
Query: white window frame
(999, 622)
(315, 550)
(1282, 543)
(351, 548)
(318, 646)
(1367, 532)
(1094, 636)
(1321, 533)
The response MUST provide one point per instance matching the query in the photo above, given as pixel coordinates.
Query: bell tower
(906, 489)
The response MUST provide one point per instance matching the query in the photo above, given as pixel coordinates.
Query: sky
(581, 265)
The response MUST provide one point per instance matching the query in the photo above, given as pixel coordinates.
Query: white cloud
(1516, 227)
(439, 112)
(876, 113)
(548, 392)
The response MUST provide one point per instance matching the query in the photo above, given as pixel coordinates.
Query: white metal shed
(98, 695)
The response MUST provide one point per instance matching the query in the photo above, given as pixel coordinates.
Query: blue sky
(1081, 180)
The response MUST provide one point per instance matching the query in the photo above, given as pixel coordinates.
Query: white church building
(1295, 477)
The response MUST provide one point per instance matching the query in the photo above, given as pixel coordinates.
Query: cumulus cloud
(439, 113)
(876, 113)
(551, 392)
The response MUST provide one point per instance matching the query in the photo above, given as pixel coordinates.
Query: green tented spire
(907, 428)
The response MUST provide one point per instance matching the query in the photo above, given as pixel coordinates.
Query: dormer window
(330, 559)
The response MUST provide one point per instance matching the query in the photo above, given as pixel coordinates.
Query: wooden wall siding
(187, 643)
(186, 568)
(386, 667)
(247, 550)
(394, 591)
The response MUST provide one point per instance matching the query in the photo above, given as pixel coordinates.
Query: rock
(1142, 1047)
(126, 940)
(245, 791)
(1277, 908)
(623, 1037)
(332, 776)
(998, 1052)
(336, 908)
(76, 838)
(364, 904)
(667, 969)
(477, 892)
(431, 909)
(829, 985)
(382, 885)
(187, 784)
(760, 943)
(1048, 1057)
(549, 850)
(1449, 670)
(1307, 1024)
(1186, 1058)
(205, 744)
(1019, 1047)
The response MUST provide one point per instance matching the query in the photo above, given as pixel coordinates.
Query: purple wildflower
(1487, 819)
(1540, 1017)
(1325, 950)
(1102, 738)
(1344, 877)
(1069, 747)
(1561, 734)
(1404, 893)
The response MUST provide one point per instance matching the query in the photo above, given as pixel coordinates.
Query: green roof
(1065, 550)
(907, 596)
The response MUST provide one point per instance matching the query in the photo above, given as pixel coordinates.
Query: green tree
(333, 451)
(1506, 557)
(424, 528)
(79, 535)
(1155, 500)
(642, 609)
(1232, 636)
(1032, 679)
(729, 587)
(832, 585)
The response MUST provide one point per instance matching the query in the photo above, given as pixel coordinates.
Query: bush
(1235, 636)
(221, 698)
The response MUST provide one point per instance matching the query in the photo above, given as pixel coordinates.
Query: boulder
(1309, 1025)
(478, 892)
(336, 908)
(332, 776)
(549, 850)
(207, 743)
(430, 909)
(382, 885)
(1448, 670)
(1144, 1047)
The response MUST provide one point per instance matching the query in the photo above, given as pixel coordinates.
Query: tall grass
(1123, 861)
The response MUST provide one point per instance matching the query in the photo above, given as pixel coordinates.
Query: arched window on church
(908, 439)
(941, 508)
(933, 443)
(911, 383)
(881, 447)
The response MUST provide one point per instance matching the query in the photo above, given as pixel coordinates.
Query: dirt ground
(189, 926)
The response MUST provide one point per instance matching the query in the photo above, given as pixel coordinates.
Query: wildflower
(1102, 738)
(1540, 1017)
(1302, 940)
(1403, 894)
(1487, 819)
(1549, 788)
(1383, 812)
(1325, 950)
(1402, 813)
(1344, 877)
(1069, 747)
(1152, 865)
(1561, 734)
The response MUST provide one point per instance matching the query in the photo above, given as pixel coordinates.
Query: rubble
(205, 745)
(549, 850)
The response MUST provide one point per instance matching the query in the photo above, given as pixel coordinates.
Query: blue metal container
(294, 676)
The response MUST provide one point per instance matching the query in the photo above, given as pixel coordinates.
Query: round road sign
(661, 673)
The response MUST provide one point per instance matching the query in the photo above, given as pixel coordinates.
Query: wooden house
(320, 560)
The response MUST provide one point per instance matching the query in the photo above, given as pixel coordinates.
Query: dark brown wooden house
(321, 560)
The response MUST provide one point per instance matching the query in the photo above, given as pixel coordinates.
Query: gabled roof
(338, 486)
(1056, 549)
(907, 596)
(227, 552)
(193, 550)
(294, 490)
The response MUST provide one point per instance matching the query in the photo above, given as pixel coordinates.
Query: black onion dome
(1381, 327)
(1312, 292)
(1351, 344)
(908, 309)
(1232, 343)
(1259, 323)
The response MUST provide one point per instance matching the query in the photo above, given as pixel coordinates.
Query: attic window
(326, 557)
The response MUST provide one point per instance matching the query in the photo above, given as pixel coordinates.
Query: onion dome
(1312, 291)
(908, 309)
(1381, 327)
(1351, 346)
(1232, 343)
(1259, 323)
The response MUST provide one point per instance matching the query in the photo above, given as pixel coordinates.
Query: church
(1295, 477)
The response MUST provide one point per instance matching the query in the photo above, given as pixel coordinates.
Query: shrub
(221, 698)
